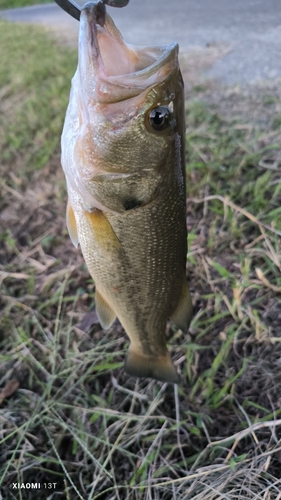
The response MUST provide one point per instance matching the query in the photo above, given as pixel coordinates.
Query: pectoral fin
(157, 367)
(102, 230)
(71, 225)
(183, 312)
(104, 312)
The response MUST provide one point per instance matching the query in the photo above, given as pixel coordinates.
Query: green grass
(77, 419)
(35, 83)
(12, 4)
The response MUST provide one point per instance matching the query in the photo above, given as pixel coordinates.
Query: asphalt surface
(248, 30)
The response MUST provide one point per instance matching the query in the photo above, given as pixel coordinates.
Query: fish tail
(157, 367)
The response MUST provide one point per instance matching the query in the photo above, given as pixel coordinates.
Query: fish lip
(94, 11)
(93, 22)
(92, 14)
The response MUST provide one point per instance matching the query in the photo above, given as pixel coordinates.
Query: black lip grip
(70, 7)
(74, 10)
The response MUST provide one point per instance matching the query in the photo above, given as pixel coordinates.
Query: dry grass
(73, 416)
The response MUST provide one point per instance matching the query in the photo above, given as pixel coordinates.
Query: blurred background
(239, 41)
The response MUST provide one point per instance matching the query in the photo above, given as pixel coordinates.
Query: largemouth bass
(124, 161)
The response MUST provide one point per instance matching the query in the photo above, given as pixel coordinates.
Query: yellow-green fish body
(123, 157)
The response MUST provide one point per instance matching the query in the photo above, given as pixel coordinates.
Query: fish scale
(149, 277)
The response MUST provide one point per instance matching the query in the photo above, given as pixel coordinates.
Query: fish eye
(159, 118)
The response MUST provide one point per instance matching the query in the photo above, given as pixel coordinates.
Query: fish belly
(137, 260)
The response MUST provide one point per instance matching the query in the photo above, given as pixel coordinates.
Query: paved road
(247, 32)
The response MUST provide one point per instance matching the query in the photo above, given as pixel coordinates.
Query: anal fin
(104, 312)
(157, 367)
(183, 312)
(71, 225)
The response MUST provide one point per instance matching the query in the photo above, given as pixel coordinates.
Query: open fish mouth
(112, 66)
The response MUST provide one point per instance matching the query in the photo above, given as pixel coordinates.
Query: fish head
(126, 111)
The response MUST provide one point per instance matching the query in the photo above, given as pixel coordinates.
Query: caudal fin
(157, 367)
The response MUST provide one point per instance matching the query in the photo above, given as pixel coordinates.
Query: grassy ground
(69, 414)
(11, 4)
